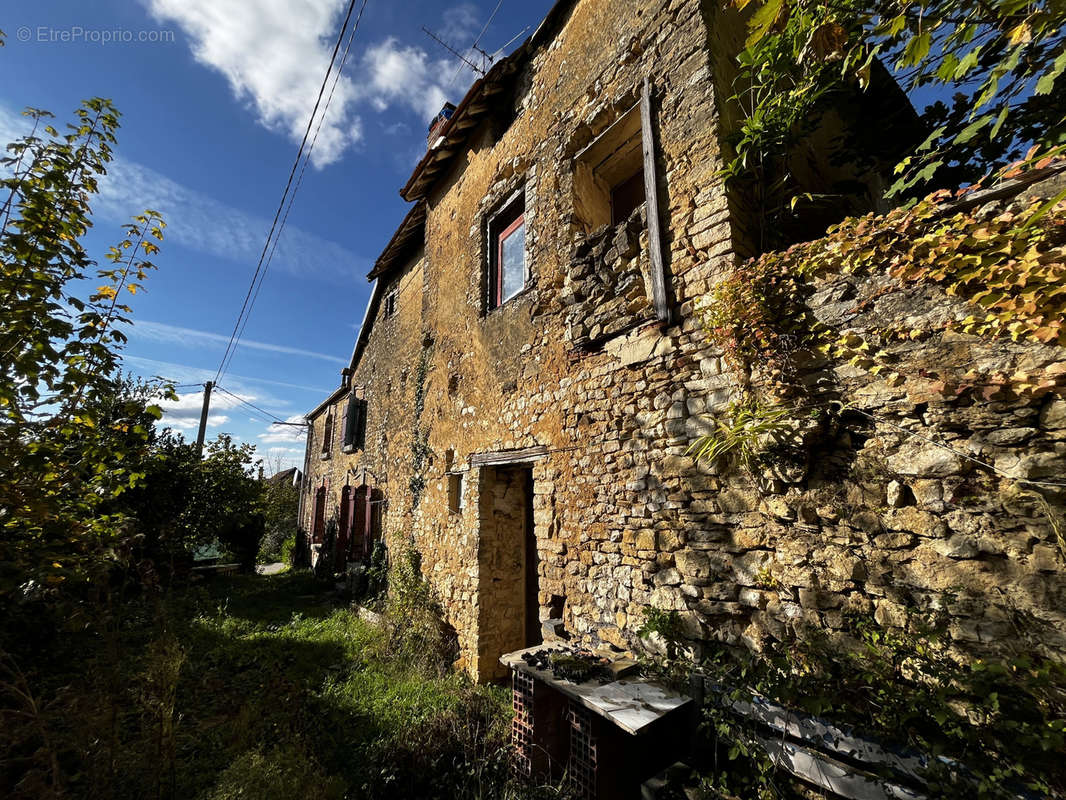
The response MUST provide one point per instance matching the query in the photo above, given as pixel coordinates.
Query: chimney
(344, 376)
(438, 124)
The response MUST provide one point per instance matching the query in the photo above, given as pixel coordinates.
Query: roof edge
(499, 69)
(333, 398)
(401, 239)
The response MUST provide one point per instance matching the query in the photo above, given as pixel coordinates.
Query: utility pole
(203, 418)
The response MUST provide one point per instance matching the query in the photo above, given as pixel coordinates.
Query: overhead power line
(299, 183)
(240, 399)
(275, 228)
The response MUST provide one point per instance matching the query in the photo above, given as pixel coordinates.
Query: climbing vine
(1009, 265)
(1002, 63)
(419, 436)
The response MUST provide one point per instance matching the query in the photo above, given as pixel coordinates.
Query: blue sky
(215, 95)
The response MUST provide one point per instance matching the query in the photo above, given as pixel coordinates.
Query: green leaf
(947, 68)
(1047, 80)
(999, 122)
(968, 62)
(916, 50)
(971, 130)
(762, 20)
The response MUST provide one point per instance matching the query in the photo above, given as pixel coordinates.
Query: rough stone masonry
(534, 449)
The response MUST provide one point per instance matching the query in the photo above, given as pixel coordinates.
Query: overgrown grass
(257, 687)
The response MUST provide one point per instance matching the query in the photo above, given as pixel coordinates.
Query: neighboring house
(530, 369)
(289, 477)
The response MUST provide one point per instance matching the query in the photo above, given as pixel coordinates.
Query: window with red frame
(507, 253)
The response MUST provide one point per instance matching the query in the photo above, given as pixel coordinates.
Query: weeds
(256, 687)
(750, 429)
(987, 728)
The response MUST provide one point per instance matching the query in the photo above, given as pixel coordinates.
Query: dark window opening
(507, 253)
(627, 197)
(355, 424)
(318, 525)
(609, 174)
(390, 304)
(456, 501)
(327, 435)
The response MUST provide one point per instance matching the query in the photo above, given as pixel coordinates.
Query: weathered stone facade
(542, 444)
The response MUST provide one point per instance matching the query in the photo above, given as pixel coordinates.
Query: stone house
(530, 370)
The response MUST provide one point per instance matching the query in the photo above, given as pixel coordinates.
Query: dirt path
(270, 569)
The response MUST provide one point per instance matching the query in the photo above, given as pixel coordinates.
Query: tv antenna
(479, 69)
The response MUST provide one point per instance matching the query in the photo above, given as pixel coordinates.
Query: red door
(344, 527)
(361, 541)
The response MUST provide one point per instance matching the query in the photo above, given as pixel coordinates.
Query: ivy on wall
(1009, 265)
(420, 437)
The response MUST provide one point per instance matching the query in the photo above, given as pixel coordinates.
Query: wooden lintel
(504, 457)
(651, 193)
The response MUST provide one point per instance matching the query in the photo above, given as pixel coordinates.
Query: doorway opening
(509, 608)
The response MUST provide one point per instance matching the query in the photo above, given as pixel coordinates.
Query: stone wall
(871, 519)
(608, 284)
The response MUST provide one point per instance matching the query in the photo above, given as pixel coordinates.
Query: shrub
(283, 773)
(993, 727)
(418, 634)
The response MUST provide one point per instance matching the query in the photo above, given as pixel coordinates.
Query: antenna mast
(456, 53)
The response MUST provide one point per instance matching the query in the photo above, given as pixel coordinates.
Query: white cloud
(161, 332)
(273, 54)
(199, 222)
(191, 424)
(184, 373)
(184, 413)
(392, 72)
(397, 73)
(12, 126)
(461, 24)
(278, 434)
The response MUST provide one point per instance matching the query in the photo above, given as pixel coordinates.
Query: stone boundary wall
(884, 512)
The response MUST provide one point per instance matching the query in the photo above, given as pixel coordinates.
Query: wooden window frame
(497, 236)
(501, 238)
(635, 128)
